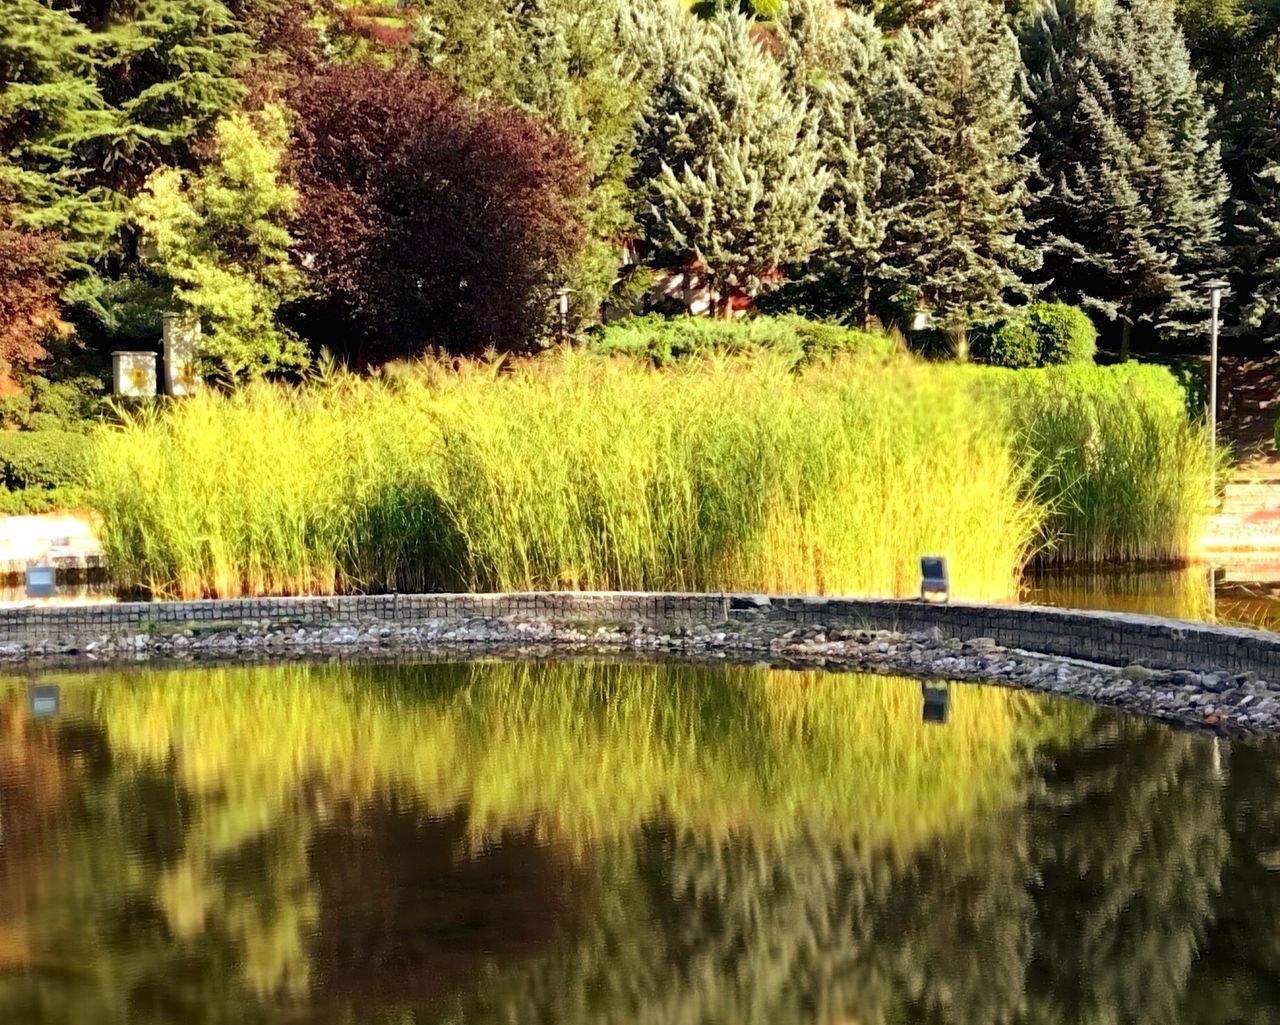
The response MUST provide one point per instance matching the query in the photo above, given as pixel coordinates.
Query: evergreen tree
(1130, 214)
(218, 241)
(837, 62)
(169, 72)
(958, 236)
(90, 107)
(740, 182)
(50, 106)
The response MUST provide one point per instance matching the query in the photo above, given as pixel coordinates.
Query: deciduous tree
(428, 220)
(219, 243)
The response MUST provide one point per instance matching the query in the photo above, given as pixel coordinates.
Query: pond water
(586, 842)
(1203, 594)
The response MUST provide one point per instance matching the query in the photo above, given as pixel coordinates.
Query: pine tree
(958, 236)
(50, 106)
(837, 62)
(1130, 213)
(740, 182)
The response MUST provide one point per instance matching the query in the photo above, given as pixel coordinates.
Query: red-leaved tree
(425, 219)
(28, 295)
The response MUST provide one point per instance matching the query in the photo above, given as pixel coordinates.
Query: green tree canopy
(1130, 216)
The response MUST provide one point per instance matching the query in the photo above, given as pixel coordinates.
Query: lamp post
(562, 307)
(1216, 288)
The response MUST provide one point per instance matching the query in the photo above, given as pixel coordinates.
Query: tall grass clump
(1121, 471)
(569, 471)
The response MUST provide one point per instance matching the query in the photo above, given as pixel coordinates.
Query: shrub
(33, 501)
(28, 294)
(43, 459)
(1067, 335)
(1040, 334)
(1014, 344)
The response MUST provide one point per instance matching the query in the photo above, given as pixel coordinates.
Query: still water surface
(620, 843)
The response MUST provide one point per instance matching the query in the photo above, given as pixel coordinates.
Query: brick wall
(1111, 638)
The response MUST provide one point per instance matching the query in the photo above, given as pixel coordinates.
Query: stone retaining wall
(1108, 638)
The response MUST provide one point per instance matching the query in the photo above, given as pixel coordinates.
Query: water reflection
(579, 843)
(1202, 594)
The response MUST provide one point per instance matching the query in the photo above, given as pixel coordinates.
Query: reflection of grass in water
(584, 752)
(581, 753)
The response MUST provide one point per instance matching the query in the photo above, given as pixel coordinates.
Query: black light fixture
(934, 583)
(937, 703)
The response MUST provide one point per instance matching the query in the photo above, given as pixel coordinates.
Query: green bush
(663, 340)
(1014, 344)
(31, 501)
(1040, 334)
(43, 459)
(1067, 335)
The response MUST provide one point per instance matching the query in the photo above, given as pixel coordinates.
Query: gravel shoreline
(1227, 703)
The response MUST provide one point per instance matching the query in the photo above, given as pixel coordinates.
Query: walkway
(1245, 533)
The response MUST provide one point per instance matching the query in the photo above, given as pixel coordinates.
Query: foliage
(1130, 215)
(712, 473)
(37, 501)
(1041, 334)
(1066, 332)
(1123, 474)
(51, 110)
(736, 194)
(43, 459)
(1015, 343)
(836, 62)
(958, 234)
(800, 341)
(426, 219)
(558, 60)
(220, 243)
(28, 296)
(569, 472)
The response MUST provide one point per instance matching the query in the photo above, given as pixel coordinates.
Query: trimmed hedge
(43, 459)
(664, 340)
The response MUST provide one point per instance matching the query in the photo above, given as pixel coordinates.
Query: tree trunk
(866, 302)
(1126, 336)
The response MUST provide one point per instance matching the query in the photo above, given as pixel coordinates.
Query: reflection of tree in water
(1127, 838)
(1238, 980)
(410, 913)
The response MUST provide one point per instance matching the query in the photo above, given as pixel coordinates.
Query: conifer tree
(1130, 214)
(837, 62)
(958, 238)
(740, 181)
(50, 106)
